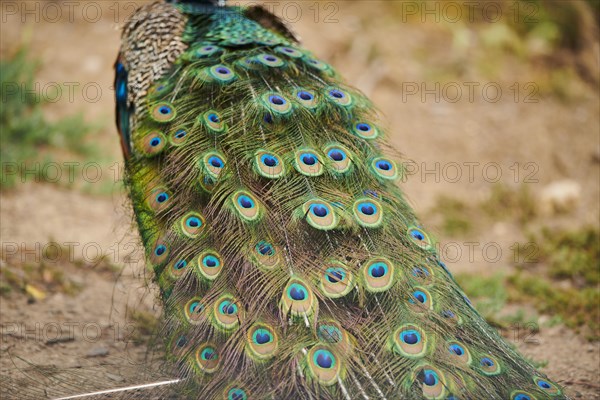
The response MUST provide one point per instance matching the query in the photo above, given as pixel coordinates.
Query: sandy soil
(560, 138)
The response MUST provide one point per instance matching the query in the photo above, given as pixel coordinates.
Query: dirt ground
(553, 138)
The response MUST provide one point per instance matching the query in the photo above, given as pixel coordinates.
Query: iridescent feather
(289, 263)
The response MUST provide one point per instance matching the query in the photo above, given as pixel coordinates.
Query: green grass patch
(29, 141)
(454, 214)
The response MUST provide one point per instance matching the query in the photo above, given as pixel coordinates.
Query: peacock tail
(290, 266)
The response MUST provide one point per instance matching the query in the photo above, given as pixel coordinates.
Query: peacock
(289, 264)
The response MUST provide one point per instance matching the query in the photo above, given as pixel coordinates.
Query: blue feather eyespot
(289, 51)
(213, 164)
(307, 163)
(368, 213)
(268, 164)
(194, 310)
(459, 353)
(160, 250)
(329, 333)
(521, 395)
(210, 265)
(324, 359)
(422, 274)
(270, 60)
(306, 98)
(181, 341)
(236, 394)
(378, 274)
(547, 386)
(430, 378)
(277, 103)
(191, 225)
(320, 215)
(336, 281)
(163, 112)
(213, 121)
(207, 358)
(420, 300)
(335, 275)
(177, 268)
(158, 199)
(262, 342)
(365, 131)
(489, 366)
(179, 265)
(432, 383)
(340, 162)
(419, 237)
(227, 314)
(384, 169)
(297, 292)
(226, 307)
(378, 270)
(316, 64)
(268, 118)
(297, 298)
(206, 51)
(178, 137)
(410, 341)
(246, 205)
(222, 73)
(159, 254)
(152, 143)
(340, 97)
(266, 255)
(323, 365)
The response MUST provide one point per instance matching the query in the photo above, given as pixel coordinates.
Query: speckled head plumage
(289, 263)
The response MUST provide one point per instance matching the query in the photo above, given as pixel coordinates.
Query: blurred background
(494, 106)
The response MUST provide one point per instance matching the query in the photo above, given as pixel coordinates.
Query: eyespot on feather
(246, 205)
(410, 341)
(324, 365)
(152, 143)
(368, 213)
(297, 299)
(269, 164)
(378, 274)
(213, 121)
(320, 215)
(222, 73)
(339, 158)
(227, 312)
(163, 112)
(192, 224)
(384, 169)
(365, 130)
(210, 265)
(432, 382)
(212, 163)
(420, 299)
(546, 386)
(159, 198)
(419, 237)
(194, 310)
(459, 353)
(262, 341)
(489, 366)
(338, 96)
(207, 358)
(277, 104)
(307, 162)
(336, 280)
(306, 98)
(266, 255)
(289, 51)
